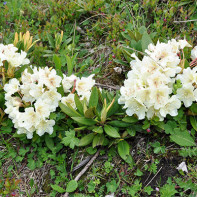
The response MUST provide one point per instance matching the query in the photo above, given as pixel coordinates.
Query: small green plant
(99, 118)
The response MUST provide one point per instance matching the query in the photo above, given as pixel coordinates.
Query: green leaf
(193, 108)
(148, 190)
(118, 123)
(20, 70)
(78, 104)
(90, 112)
(71, 186)
(131, 131)
(142, 30)
(138, 172)
(111, 131)
(111, 186)
(98, 129)
(91, 150)
(31, 164)
(146, 40)
(93, 102)
(57, 188)
(69, 111)
(49, 142)
(86, 140)
(130, 119)
(2, 99)
(84, 121)
(182, 138)
(170, 126)
(121, 62)
(123, 149)
(70, 139)
(114, 108)
(168, 190)
(193, 122)
(58, 64)
(70, 65)
(98, 140)
(51, 40)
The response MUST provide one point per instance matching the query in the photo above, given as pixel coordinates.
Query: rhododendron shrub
(30, 101)
(148, 91)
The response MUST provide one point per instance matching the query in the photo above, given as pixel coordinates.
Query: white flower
(45, 126)
(194, 53)
(159, 96)
(68, 82)
(2, 58)
(12, 86)
(183, 44)
(189, 76)
(69, 99)
(153, 112)
(42, 109)
(14, 59)
(171, 107)
(36, 90)
(186, 94)
(135, 107)
(51, 79)
(175, 45)
(84, 84)
(31, 118)
(25, 90)
(182, 166)
(51, 97)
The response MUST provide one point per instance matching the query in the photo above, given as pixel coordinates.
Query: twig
(92, 17)
(153, 177)
(84, 170)
(185, 21)
(107, 86)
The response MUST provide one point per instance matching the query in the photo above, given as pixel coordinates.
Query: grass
(94, 36)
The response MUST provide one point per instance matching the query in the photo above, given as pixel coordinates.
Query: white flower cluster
(148, 89)
(30, 102)
(9, 53)
(188, 92)
(81, 86)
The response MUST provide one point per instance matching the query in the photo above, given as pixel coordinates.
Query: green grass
(95, 34)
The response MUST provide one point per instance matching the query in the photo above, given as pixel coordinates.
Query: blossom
(84, 84)
(68, 82)
(186, 94)
(148, 89)
(135, 107)
(45, 126)
(11, 55)
(12, 86)
(171, 106)
(182, 166)
(69, 99)
(194, 53)
(183, 44)
(81, 86)
(36, 97)
(189, 76)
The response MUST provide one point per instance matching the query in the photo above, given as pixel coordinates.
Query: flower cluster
(30, 101)
(81, 86)
(148, 89)
(10, 54)
(188, 92)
